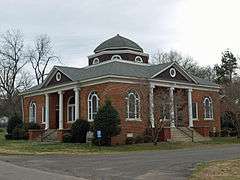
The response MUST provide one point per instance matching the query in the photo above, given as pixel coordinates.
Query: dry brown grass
(218, 170)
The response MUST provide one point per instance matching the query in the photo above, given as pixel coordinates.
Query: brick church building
(120, 70)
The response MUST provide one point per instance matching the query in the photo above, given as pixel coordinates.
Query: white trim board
(117, 52)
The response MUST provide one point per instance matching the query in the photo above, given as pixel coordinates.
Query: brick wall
(40, 101)
(198, 96)
(124, 56)
(117, 92)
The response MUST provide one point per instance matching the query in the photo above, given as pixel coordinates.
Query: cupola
(118, 48)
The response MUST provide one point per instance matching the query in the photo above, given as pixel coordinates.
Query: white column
(76, 90)
(172, 117)
(190, 107)
(60, 110)
(46, 111)
(151, 105)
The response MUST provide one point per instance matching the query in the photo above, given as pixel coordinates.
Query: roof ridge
(69, 67)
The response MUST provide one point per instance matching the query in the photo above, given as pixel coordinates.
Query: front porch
(174, 104)
(61, 109)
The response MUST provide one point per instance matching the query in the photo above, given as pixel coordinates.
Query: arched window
(116, 57)
(32, 112)
(71, 109)
(133, 106)
(138, 59)
(95, 61)
(208, 108)
(92, 105)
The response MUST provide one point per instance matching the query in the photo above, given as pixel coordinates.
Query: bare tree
(40, 56)
(12, 62)
(188, 63)
(232, 101)
(11, 65)
(162, 103)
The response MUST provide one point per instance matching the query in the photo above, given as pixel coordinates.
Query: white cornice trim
(118, 52)
(182, 85)
(120, 79)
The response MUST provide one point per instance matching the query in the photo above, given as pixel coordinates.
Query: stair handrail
(192, 133)
(48, 134)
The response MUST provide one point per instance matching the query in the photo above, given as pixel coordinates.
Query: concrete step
(178, 136)
(196, 136)
(49, 135)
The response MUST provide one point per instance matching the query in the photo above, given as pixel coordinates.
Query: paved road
(175, 164)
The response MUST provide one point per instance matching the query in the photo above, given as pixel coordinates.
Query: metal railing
(191, 135)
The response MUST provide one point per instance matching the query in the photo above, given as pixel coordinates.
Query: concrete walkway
(154, 165)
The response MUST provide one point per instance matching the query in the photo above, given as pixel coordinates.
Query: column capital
(60, 92)
(152, 86)
(190, 90)
(47, 94)
(76, 88)
(172, 88)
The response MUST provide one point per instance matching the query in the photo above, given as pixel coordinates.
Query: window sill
(133, 119)
(195, 119)
(208, 119)
(90, 120)
(43, 122)
(70, 122)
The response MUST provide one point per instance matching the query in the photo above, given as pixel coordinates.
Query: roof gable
(180, 74)
(56, 77)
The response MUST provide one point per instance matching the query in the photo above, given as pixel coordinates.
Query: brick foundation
(34, 134)
(60, 134)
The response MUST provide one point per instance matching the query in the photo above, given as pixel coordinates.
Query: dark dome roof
(118, 43)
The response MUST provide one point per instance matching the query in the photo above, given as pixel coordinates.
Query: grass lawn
(35, 147)
(218, 170)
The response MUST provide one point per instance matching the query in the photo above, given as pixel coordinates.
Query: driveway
(173, 164)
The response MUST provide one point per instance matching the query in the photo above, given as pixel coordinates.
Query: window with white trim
(32, 112)
(93, 102)
(133, 106)
(208, 108)
(71, 109)
(95, 61)
(138, 59)
(194, 111)
(116, 57)
(58, 76)
(43, 114)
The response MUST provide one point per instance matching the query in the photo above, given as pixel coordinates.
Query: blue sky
(199, 28)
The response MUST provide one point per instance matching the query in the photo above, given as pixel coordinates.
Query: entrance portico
(172, 115)
(60, 99)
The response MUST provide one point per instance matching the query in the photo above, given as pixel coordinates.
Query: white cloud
(199, 28)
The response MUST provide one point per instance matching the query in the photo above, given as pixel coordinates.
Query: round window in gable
(95, 61)
(58, 76)
(172, 72)
(116, 57)
(138, 59)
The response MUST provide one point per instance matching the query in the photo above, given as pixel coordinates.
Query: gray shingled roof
(118, 42)
(113, 68)
(118, 68)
